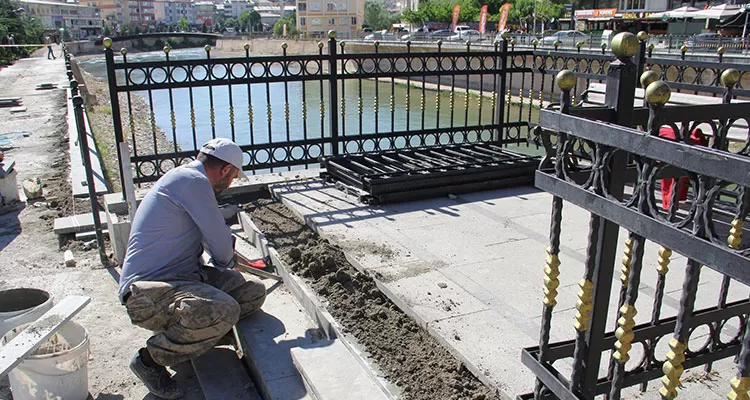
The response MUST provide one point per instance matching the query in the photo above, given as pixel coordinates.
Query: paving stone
(342, 378)
(226, 383)
(77, 223)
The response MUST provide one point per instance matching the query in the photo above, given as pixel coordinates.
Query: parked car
(567, 38)
(461, 28)
(469, 35)
(381, 35)
(442, 34)
(418, 35)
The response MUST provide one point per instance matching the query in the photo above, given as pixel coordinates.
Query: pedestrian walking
(11, 39)
(50, 53)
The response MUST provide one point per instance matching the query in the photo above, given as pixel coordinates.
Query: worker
(164, 286)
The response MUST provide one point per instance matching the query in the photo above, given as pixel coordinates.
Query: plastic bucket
(22, 306)
(58, 369)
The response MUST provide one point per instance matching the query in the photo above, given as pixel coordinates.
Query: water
(376, 115)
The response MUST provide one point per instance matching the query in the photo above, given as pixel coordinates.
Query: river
(274, 97)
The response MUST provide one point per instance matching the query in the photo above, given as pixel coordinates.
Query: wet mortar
(406, 354)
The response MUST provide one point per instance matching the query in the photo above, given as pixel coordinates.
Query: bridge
(164, 35)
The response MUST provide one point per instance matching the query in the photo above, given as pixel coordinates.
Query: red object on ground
(696, 137)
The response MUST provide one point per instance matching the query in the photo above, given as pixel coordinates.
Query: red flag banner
(503, 17)
(482, 19)
(456, 11)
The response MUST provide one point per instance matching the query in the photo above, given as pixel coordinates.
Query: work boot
(157, 379)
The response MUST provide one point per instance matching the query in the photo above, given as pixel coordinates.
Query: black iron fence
(632, 179)
(313, 105)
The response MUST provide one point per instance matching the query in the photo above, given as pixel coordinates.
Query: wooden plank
(231, 381)
(38, 332)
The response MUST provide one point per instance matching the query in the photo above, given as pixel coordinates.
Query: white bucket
(58, 369)
(22, 306)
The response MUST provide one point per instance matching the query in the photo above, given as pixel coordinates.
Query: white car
(470, 35)
(566, 38)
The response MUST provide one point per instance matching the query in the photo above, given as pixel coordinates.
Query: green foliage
(377, 17)
(204, 28)
(523, 10)
(183, 24)
(25, 28)
(520, 10)
(291, 25)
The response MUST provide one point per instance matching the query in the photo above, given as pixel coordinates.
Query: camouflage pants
(189, 316)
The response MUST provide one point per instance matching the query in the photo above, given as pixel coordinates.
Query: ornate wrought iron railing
(288, 111)
(620, 185)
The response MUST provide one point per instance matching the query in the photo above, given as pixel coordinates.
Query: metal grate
(410, 174)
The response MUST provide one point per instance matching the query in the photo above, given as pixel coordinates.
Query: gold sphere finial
(625, 45)
(651, 46)
(331, 34)
(604, 45)
(505, 35)
(207, 48)
(648, 78)
(166, 49)
(284, 45)
(320, 45)
(123, 51)
(683, 49)
(579, 44)
(730, 77)
(565, 79)
(246, 46)
(556, 43)
(107, 42)
(658, 93)
(721, 50)
(512, 41)
(440, 42)
(642, 35)
(535, 42)
(376, 43)
(342, 44)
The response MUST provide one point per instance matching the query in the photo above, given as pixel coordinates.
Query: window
(314, 6)
(302, 21)
(331, 7)
(354, 20)
(342, 6)
(315, 21)
(343, 21)
(302, 7)
(331, 21)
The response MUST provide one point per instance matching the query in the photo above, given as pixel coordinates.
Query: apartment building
(204, 12)
(110, 10)
(316, 17)
(171, 11)
(81, 21)
(235, 8)
(139, 13)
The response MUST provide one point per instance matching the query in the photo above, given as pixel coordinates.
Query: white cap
(225, 150)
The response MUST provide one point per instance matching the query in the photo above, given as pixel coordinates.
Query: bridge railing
(287, 111)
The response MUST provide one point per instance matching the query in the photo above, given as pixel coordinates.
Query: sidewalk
(29, 251)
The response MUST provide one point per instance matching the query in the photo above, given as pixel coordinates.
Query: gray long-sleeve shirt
(176, 217)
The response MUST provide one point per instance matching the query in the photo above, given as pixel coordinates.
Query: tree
(183, 25)
(377, 17)
(291, 25)
(254, 20)
(204, 27)
(523, 11)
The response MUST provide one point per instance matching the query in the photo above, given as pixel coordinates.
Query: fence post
(621, 83)
(500, 104)
(642, 39)
(333, 93)
(84, 146)
(114, 100)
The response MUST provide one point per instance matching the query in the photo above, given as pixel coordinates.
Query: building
(110, 10)
(204, 12)
(235, 8)
(80, 21)
(174, 10)
(139, 13)
(316, 17)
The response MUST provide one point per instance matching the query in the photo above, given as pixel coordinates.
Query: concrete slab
(266, 339)
(77, 170)
(228, 382)
(77, 223)
(342, 378)
(488, 251)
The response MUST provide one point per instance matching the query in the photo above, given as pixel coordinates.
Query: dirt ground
(406, 353)
(30, 255)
